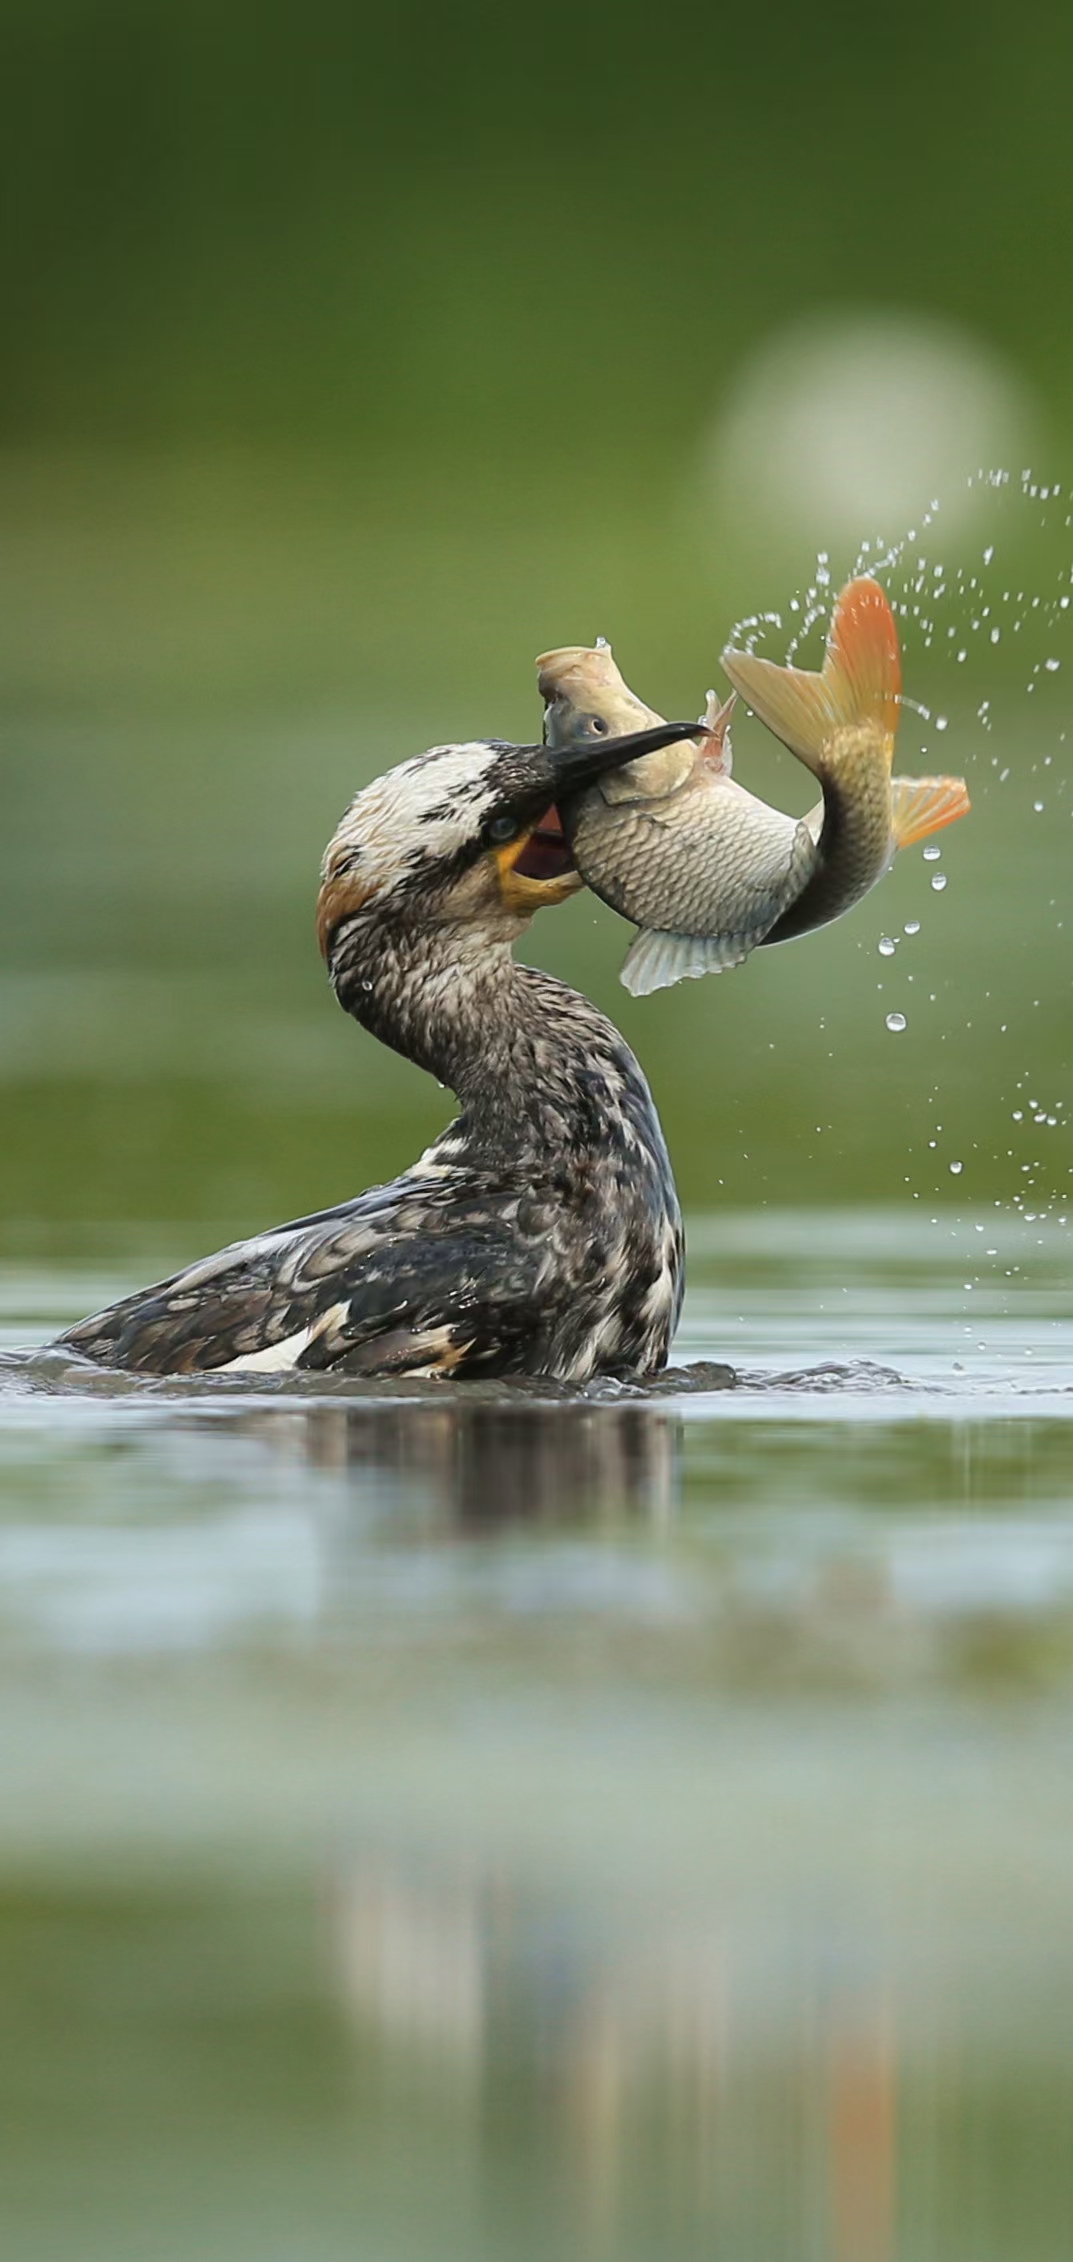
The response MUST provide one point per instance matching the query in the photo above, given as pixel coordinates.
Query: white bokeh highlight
(847, 424)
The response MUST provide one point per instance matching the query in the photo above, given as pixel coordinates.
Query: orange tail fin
(920, 806)
(860, 681)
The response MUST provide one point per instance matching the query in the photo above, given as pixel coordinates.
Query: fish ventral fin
(656, 961)
(860, 681)
(920, 806)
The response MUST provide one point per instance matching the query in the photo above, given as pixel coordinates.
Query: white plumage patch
(279, 1358)
(276, 1358)
(427, 807)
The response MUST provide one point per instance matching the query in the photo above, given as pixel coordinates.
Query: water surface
(517, 1821)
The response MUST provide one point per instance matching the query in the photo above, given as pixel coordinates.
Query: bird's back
(556, 1251)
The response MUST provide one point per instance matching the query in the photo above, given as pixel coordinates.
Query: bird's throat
(516, 1047)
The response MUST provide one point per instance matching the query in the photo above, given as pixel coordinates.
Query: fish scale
(753, 858)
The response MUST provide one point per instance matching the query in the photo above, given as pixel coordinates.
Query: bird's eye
(502, 827)
(594, 726)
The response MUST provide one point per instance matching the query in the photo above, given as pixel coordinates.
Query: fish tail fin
(860, 681)
(920, 806)
(655, 961)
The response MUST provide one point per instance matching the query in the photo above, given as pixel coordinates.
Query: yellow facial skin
(523, 895)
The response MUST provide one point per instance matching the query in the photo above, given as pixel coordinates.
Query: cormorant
(540, 1233)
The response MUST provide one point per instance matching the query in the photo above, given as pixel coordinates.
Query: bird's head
(467, 837)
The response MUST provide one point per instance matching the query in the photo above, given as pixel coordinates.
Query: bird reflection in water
(475, 1465)
(655, 2056)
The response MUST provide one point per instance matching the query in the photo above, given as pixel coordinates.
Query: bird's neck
(536, 1068)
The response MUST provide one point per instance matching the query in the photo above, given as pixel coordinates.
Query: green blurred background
(633, 1831)
(352, 357)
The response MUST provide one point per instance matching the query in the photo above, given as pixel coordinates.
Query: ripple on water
(705, 1741)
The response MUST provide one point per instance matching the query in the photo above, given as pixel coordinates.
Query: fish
(672, 835)
(842, 723)
(707, 871)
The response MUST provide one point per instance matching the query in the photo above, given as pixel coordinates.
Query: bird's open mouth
(546, 855)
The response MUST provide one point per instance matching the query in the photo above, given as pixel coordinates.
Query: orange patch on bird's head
(341, 895)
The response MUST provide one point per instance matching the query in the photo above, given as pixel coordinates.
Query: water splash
(985, 631)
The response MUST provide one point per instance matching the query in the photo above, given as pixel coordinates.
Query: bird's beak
(574, 768)
(537, 867)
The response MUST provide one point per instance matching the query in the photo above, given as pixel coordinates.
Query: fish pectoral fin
(655, 960)
(860, 681)
(920, 806)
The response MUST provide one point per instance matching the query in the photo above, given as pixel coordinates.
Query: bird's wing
(422, 1277)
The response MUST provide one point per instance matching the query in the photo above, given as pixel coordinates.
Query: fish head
(586, 699)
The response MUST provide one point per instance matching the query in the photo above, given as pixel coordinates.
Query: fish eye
(503, 827)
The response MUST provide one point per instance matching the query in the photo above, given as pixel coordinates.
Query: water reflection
(457, 2062)
(684, 2071)
(482, 1824)
(479, 1467)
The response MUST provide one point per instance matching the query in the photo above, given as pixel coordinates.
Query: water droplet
(939, 882)
(1038, 807)
(932, 853)
(912, 926)
(996, 635)
(896, 1022)
(941, 722)
(956, 1169)
(1052, 666)
(886, 946)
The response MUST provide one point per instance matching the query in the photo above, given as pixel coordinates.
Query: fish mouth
(547, 854)
(542, 859)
